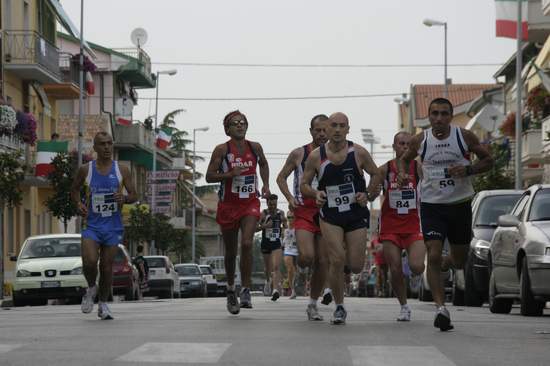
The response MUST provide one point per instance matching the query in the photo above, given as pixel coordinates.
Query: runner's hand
(82, 209)
(320, 198)
(293, 203)
(236, 171)
(362, 199)
(457, 171)
(119, 198)
(402, 178)
(265, 191)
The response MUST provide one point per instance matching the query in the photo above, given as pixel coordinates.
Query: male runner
(105, 182)
(290, 251)
(446, 192)
(234, 165)
(342, 196)
(311, 251)
(272, 221)
(400, 224)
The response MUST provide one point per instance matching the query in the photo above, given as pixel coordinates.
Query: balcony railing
(26, 50)
(10, 143)
(138, 69)
(143, 59)
(135, 135)
(69, 71)
(531, 147)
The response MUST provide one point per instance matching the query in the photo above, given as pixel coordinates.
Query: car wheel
(18, 301)
(130, 294)
(498, 306)
(529, 305)
(471, 296)
(423, 293)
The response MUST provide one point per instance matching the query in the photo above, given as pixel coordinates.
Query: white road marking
(8, 347)
(398, 356)
(177, 353)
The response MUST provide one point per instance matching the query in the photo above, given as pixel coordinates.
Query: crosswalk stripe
(398, 356)
(176, 353)
(8, 347)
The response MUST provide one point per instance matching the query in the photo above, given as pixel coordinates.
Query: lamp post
(369, 138)
(193, 215)
(154, 186)
(438, 23)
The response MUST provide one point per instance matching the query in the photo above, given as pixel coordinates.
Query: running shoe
(267, 288)
(232, 303)
(246, 298)
(292, 295)
(443, 319)
(404, 314)
(103, 312)
(275, 295)
(327, 297)
(313, 313)
(87, 304)
(339, 316)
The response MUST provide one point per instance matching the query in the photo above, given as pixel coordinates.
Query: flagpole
(153, 185)
(518, 172)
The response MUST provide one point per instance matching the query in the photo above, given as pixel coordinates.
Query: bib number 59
(446, 183)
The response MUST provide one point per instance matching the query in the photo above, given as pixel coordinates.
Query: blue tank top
(103, 211)
(341, 183)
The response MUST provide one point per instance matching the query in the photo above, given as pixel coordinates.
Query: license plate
(50, 284)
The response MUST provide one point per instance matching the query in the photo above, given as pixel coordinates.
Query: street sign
(162, 209)
(163, 174)
(160, 198)
(167, 187)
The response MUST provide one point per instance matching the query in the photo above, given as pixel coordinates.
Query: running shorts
(229, 215)
(105, 238)
(304, 219)
(402, 241)
(451, 221)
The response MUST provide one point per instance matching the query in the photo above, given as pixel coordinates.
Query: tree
(140, 228)
(12, 173)
(163, 232)
(497, 177)
(61, 177)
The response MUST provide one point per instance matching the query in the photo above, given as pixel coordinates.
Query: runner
(399, 223)
(234, 165)
(311, 251)
(290, 253)
(105, 181)
(446, 192)
(381, 267)
(342, 196)
(272, 221)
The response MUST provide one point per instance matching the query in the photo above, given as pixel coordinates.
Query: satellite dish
(139, 37)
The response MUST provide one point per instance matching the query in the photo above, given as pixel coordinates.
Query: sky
(304, 32)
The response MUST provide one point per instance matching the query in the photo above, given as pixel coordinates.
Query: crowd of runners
(426, 198)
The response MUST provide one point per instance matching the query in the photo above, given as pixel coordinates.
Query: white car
(163, 279)
(210, 277)
(48, 267)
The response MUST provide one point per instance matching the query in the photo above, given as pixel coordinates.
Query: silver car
(519, 255)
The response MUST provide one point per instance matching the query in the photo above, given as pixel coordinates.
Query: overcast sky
(295, 32)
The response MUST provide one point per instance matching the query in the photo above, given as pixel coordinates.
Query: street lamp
(369, 138)
(154, 186)
(193, 233)
(438, 23)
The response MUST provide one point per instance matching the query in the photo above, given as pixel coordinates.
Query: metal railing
(69, 70)
(11, 143)
(28, 48)
(143, 59)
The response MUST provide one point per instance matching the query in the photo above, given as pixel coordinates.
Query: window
(7, 14)
(494, 206)
(52, 247)
(27, 223)
(540, 209)
(188, 270)
(520, 206)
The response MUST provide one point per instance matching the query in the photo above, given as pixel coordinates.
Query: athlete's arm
(484, 163)
(128, 185)
(213, 174)
(419, 170)
(368, 165)
(312, 162)
(264, 168)
(75, 189)
(288, 168)
(403, 162)
(284, 221)
(261, 222)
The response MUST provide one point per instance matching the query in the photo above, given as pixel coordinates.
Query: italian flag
(507, 18)
(45, 152)
(163, 138)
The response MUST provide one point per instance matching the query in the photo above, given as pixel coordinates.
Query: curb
(6, 303)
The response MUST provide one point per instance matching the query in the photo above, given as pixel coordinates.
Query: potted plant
(8, 120)
(538, 105)
(26, 127)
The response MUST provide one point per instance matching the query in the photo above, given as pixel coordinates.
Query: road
(200, 331)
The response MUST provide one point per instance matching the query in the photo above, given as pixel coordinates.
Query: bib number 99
(344, 200)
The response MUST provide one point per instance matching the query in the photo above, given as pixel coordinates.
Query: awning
(68, 24)
(43, 98)
(488, 118)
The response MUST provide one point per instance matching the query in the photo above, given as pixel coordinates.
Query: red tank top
(399, 214)
(243, 187)
(298, 174)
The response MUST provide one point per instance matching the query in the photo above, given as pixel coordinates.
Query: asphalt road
(200, 331)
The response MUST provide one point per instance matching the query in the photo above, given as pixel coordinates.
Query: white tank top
(437, 156)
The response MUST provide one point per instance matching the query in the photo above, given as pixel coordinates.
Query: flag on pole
(45, 152)
(90, 86)
(124, 121)
(164, 137)
(507, 18)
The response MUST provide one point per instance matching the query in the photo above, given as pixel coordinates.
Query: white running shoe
(267, 288)
(103, 312)
(87, 304)
(313, 313)
(404, 314)
(292, 295)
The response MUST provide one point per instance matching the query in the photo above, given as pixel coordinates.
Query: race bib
(104, 204)
(341, 196)
(273, 234)
(441, 180)
(244, 185)
(403, 200)
(437, 173)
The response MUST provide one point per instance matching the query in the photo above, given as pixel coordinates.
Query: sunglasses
(240, 122)
(440, 113)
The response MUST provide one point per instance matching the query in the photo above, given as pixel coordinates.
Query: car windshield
(51, 247)
(206, 270)
(540, 209)
(187, 270)
(155, 262)
(494, 206)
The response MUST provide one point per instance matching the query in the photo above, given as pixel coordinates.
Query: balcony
(138, 69)
(134, 136)
(538, 22)
(68, 88)
(531, 148)
(11, 144)
(31, 57)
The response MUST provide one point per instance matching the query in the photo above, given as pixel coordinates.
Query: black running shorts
(442, 221)
(269, 246)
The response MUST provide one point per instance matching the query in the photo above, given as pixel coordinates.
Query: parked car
(48, 267)
(163, 279)
(210, 278)
(519, 255)
(192, 282)
(125, 275)
(487, 206)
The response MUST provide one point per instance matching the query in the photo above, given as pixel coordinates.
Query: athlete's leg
(248, 228)
(276, 257)
(334, 239)
(107, 256)
(289, 264)
(320, 267)
(434, 271)
(356, 245)
(392, 255)
(267, 267)
(230, 241)
(459, 254)
(90, 256)
(306, 248)
(416, 253)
